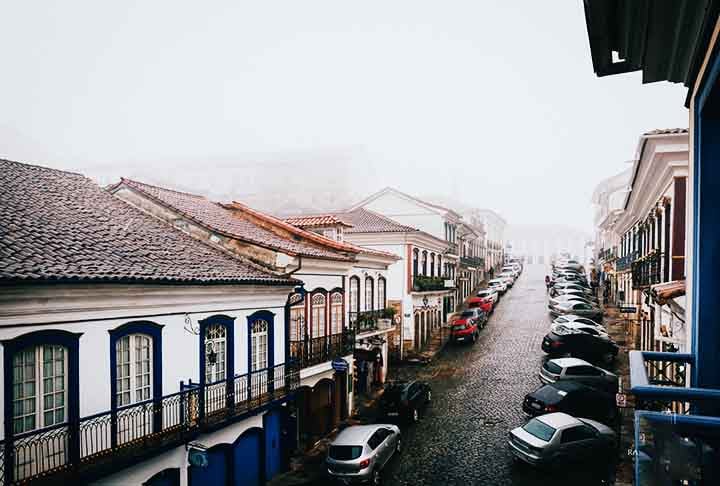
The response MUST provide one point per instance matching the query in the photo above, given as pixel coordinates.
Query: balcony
(318, 350)
(607, 254)
(625, 262)
(104, 443)
(452, 248)
(646, 270)
(677, 431)
(368, 321)
(427, 284)
(472, 261)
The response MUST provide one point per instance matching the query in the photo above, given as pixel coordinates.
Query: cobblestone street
(477, 398)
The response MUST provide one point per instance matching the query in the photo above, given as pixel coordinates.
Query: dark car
(580, 345)
(573, 398)
(584, 309)
(403, 400)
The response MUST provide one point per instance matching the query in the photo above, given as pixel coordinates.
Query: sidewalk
(620, 332)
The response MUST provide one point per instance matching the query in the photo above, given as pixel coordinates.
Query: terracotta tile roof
(366, 221)
(316, 221)
(666, 131)
(220, 218)
(61, 226)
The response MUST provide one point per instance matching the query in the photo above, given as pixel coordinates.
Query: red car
(482, 303)
(467, 326)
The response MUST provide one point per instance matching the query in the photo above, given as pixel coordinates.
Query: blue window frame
(228, 323)
(11, 347)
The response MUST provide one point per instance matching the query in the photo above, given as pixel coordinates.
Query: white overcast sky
(492, 102)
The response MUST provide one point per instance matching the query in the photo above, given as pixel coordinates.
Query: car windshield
(467, 314)
(552, 367)
(345, 452)
(539, 429)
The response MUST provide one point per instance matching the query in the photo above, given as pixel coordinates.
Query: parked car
(498, 284)
(564, 327)
(491, 294)
(584, 309)
(512, 270)
(403, 400)
(573, 398)
(466, 328)
(570, 298)
(508, 278)
(562, 342)
(486, 305)
(558, 439)
(577, 293)
(560, 288)
(575, 318)
(360, 452)
(576, 369)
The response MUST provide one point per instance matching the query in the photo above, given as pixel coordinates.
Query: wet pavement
(477, 398)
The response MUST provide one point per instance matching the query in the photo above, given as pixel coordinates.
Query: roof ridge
(289, 227)
(382, 216)
(184, 193)
(42, 167)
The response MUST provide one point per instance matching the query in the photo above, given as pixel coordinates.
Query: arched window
(134, 369)
(369, 293)
(259, 345)
(382, 297)
(215, 352)
(424, 263)
(416, 254)
(432, 264)
(336, 313)
(40, 387)
(318, 315)
(354, 294)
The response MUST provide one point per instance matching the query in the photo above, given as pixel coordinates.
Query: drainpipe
(291, 272)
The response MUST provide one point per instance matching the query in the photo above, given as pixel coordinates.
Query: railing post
(271, 380)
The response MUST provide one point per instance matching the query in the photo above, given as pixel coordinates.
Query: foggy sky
(493, 103)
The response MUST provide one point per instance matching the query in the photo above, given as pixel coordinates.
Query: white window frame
(39, 396)
(319, 310)
(137, 392)
(259, 345)
(217, 371)
(336, 313)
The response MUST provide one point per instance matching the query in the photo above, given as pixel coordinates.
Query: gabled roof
(366, 221)
(243, 223)
(61, 226)
(390, 190)
(314, 221)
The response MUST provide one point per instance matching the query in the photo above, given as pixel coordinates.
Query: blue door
(272, 423)
(247, 458)
(216, 472)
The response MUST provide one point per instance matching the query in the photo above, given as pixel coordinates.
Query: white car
(491, 294)
(575, 318)
(560, 328)
(559, 439)
(509, 277)
(514, 271)
(498, 284)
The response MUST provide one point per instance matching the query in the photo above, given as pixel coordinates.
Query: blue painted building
(677, 429)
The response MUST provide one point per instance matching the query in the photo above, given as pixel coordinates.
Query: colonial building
(651, 230)
(471, 266)
(494, 225)
(318, 330)
(128, 345)
(377, 332)
(431, 219)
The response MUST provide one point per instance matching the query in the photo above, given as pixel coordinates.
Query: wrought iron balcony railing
(423, 284)
(624, 262)
(311, 352)
(368, 320)
(607, 254)
(677, 429)
(646, 270)
(472, 261)
(106, 442)
(452, 248)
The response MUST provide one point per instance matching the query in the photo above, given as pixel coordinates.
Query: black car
(573, 398)
(580, 345)
(403, 400)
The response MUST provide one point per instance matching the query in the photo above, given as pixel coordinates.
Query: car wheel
(415, 415)
(376, 480)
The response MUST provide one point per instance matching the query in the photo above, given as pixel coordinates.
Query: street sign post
(628, 310)
(340, 365)
(621, 400)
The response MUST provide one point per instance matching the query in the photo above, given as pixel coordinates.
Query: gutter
(291, 272)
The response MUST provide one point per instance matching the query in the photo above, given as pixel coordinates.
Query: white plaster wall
(181, 360)
(409, 213)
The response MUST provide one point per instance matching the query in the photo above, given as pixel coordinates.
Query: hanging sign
(340, 365)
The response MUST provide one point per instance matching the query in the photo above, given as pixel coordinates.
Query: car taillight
(364, 463)
(551, 408)
(555, 344)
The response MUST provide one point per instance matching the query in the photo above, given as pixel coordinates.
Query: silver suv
(579, 370)
(359, 453)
